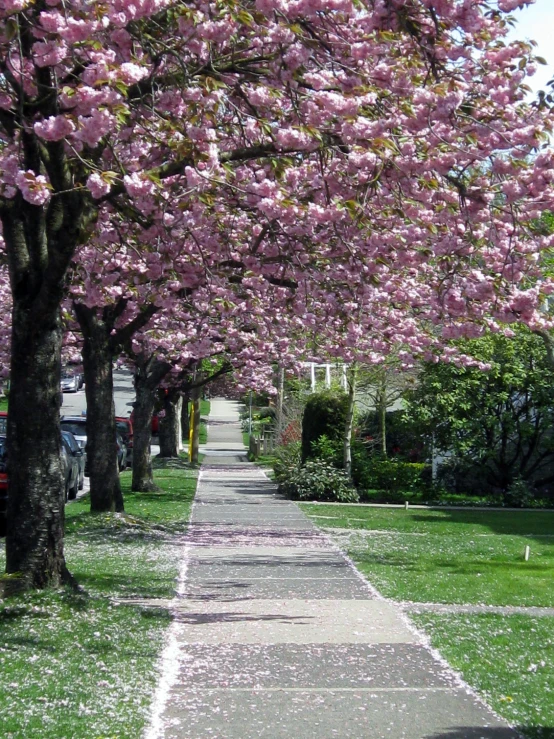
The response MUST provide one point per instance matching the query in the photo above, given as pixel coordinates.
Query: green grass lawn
(82, 665)
(3, 404)
(508, 659)
(450, 556)
(468, 557)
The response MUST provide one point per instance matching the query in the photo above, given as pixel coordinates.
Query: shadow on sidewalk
(475, 732)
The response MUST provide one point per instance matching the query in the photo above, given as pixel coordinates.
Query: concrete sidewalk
(276, 635)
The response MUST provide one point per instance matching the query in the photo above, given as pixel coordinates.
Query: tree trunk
(169, 425)
(105, 487)
(149, 374)
(143, 479)
(382, 418)
(280, 397)
(195, 426)
(36, 501)
(349, 425)
(185, 420)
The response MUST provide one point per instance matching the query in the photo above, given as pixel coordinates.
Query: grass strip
(449, 556)
(508, 659)
(76, 665)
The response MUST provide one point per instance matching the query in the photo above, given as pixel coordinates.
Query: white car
(70, 383)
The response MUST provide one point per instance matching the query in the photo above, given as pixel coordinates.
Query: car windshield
(70, 441)
(2, 454)
(76, 428)
(122, 428)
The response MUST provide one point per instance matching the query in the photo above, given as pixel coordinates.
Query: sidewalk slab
(317, 714)
(292, 622)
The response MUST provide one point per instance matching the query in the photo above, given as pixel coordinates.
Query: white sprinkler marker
(527, 553)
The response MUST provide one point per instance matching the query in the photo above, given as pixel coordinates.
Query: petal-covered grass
(83, 664)
(508, 659)
(467, 557)
(449, 556)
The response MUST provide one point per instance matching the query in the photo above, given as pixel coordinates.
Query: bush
(320, 481)
(324, 415)
(391, 476)
(328, 450)
(286, 461)
(406, 439)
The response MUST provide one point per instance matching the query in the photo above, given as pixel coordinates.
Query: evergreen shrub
(319, 481)
(324, 415)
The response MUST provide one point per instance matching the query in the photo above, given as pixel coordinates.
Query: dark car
(3, 486)
(124, 427)
(77, 453)
(77, 425)
(70, 470)
(121, 452)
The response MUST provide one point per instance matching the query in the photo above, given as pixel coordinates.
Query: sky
(537, 22)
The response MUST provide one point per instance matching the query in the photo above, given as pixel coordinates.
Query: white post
(327, 376)
(527, 553)
(344, 380)
(312, 371)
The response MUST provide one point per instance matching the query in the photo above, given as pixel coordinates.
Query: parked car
(70, 442)
(3, 486)
(124, 427)
(121, 452)
(70, 382)
(77, 425)
(3, 423)
(70, 470)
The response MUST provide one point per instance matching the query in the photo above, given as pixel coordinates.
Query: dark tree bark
(35, 523)
(105, 488)
(40, 243)
(149, 373)
(101, 344)
(195, 426)
(169, 424)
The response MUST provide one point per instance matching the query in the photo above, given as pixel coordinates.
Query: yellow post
(191, 431)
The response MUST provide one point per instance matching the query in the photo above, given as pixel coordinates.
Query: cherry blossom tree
(386, 144)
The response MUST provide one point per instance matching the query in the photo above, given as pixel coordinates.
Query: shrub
(519, 494)
(318, 480)
(324, 415)
(391, 476)
(291, 433)
(328, 450)
(406, 439)
(286, 461)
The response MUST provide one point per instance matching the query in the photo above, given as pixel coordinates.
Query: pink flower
(131, 73)
(54, 128)
(50, 53)
(98, 185)
(34, 188)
